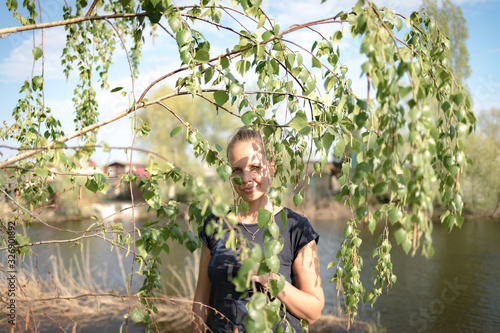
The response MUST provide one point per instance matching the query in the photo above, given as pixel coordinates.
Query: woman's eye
(236, 171)
(255, 167)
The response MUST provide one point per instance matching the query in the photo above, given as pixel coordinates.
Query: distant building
(327, 182)
(121, 190)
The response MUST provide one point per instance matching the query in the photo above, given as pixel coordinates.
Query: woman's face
(248, 162)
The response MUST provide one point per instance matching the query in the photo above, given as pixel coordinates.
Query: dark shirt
(224, 265)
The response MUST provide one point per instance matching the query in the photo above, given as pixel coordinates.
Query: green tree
(167, 135)
(452, 22)
(304, 103)
(482, 180)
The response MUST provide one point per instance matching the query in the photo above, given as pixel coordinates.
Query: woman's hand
(264, 279)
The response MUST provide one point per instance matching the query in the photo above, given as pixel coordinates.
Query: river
(457, 290)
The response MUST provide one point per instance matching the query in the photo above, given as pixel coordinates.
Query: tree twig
(8, 31)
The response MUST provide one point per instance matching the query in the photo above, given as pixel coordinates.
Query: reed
(70, 297)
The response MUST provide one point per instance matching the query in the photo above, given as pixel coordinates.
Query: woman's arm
(202, 293)
(305, 299)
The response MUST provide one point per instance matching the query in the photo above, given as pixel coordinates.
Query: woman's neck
(253, 211)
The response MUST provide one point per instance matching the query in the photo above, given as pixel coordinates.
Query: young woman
(217, 306)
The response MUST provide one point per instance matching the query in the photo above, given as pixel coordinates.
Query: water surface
(458, 290)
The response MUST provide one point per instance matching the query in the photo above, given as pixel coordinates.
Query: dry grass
(334, 324)
(61, 300)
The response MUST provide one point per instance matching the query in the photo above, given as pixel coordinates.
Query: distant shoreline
(323, 212)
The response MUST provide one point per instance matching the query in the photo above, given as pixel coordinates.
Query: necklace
(258, 229)
(251, 233)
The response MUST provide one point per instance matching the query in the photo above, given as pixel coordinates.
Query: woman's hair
(246, 134)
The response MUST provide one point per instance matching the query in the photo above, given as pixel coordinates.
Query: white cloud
(289, 12)
(18, 66)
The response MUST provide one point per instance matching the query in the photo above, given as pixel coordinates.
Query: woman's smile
(249, 189)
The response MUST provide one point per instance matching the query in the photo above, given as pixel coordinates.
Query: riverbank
(321, 210)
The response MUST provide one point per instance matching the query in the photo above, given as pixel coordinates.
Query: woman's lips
(249, 189)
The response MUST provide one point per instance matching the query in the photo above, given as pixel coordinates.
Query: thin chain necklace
(258, 229)
(251, 233)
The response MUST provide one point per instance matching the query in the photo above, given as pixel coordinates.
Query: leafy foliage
(390, 140)
(452, 23)
(481, 181)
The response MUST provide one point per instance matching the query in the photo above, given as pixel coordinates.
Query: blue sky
(16, 64)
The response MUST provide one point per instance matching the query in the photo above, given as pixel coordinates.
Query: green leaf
(101, 181)
(153, 199)
(224, 172)
(272, 248)
(235, 89)
(41, 172)
(449, 222)
(406, 245)
(209, 73)
(343, 69)
(37, 53)
(12, 5)
(221, 97)
(255, 321)
(458, 98)
(258, 301)
(224, 62)
(220, 209)
(327, 141)
(136, 315)
(176, 131)
(316, 63)
(192, 245)
(276, 286)
(175, 23)
(183, 37)
(372, 224)
(91, 185)
(263, 217)
(339, 148)
(297, 199)
(237, 180)
(273, 263)
(202, 56)
(21, 240)
(284, 217)
(380, 188)
(395, 215)
(273, 229)
(400, 235)
(242, 66)
(347, 230)
(154, 2)
(176, 232)
(248, 117)
(330, 83)
(389, 14)
(337, 36)
(37, 82)
(116, 89)
(300, 123)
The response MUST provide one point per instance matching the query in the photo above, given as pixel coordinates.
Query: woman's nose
(247, 177)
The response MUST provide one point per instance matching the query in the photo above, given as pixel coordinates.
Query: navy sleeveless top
(224, 265)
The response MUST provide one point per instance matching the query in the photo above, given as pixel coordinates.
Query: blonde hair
(245, 134)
